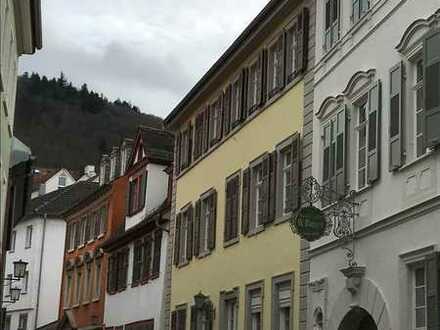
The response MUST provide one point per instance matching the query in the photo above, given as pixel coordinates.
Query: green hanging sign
(310, 223)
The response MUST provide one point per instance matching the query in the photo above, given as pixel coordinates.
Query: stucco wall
(52, 184)
(272, 252)
(143, 302)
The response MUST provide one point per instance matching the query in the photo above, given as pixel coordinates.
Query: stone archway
(358, 319)
(369, 299)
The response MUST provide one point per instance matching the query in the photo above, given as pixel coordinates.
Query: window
(88, 236)
(276, 66)
(215, 121)
(13, 239)
(77, 229)
(254, 85)
(178, 318)
(258, 176)
(137, 263)
(83, 230)
(8, 322)
(419, 107)
(97, 285)
(282, 302)
(103, 219)
(419, 297)
(88, 283)
(198, 135)
(117, 272)
(202, 317)
(183, 247)
(68, 289)
(78, 288)
(25, 283)
(232, 207)
(331, 23)
(62, 181)
(291, 53)
(69, 237)
(359, 9)
(28, 242)
(229, 310)
(22, 322)
(206, 223)
(236, 102)
(184, 140)
(362, 129)
(137, 193)
(254, 307)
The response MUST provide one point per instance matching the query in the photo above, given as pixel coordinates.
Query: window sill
(100, 236)
(231, 242)
(70, 251)
(241, 124)
(282, 219)
(203, 254)
(414, 162)
(95, 300)
(255, 231)
(81, 246)
(183, 264)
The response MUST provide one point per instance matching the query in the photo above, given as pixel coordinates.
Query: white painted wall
(157, 189)
(52, 263)
(143, 302)
(371, 45)
(52, 184)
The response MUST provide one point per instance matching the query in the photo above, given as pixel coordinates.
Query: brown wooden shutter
(236, 208)
(181, 319)
(146, 267)
(245, 204)
(110, 274)
(264, 66)
(433, 291)
(244, 82)
(341, 153)
(272, 186)
(206, 129)
(266, 188)
(212, 221)
(177, 238)
(280, 49)
(396, 117)
(302, 38)
(124, 271)
(249, 90)
(178, 152)
(227, 110)
(157, 253)
(190, 145)
(270, 72)
(220, 118)
(228, 211)
(431, 88)
(260, 69)
(196, 230)
(198, 135)
(190, 238)
(173, 320)
(143, 193)
(137, 263)
(374, 127)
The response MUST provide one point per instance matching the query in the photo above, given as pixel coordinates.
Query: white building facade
(40, 243)
(137, 257)
(375, 131)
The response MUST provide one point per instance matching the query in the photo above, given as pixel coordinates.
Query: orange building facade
(89, 224)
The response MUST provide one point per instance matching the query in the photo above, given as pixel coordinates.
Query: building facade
(375, 138)
(138, 254)
(89, 224)
(48, 180)
(38, 239)
(20, 34)
(236, 263)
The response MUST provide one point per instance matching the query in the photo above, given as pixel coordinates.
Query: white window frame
(414, 287)
(205, 216)
(252, 310)
(363, 102)
(257, 174)
(60, 178)
(333, 24)
(286, 169)
(415, 86)
(235, 100)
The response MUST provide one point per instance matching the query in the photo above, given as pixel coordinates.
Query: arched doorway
(357, 319)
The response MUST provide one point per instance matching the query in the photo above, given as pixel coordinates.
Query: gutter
(43, 239)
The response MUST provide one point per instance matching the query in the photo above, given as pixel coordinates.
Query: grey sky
(147, 52)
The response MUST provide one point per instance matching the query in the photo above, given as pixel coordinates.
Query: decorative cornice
(418, 25)
(329, 102)
(360, 78)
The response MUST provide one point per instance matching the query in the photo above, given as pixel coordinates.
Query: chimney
(89, 170)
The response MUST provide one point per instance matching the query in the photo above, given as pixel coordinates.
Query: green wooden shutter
(432, 89)
(433, 291)
(146, 263)
(190, 232)
(227, 110)
(341, 153)
(299, 44)
(295, 173)
(173, 320)
(178, 153)
(212, 221)
(177, 238)
(396, 117)
(137, 263)
(245, 203)
(196, 242)
(157, 253)
(374, 127)
(272, 186)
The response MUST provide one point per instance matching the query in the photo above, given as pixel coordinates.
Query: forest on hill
(71, 127)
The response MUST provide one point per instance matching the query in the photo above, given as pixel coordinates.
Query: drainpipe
(37, 306)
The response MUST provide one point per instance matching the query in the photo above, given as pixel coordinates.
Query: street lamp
(20, 268)
(15, 294)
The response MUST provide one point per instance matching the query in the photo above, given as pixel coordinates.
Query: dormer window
(62, 181)
(137, 193)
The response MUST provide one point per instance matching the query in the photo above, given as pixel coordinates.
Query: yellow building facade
(239, 278)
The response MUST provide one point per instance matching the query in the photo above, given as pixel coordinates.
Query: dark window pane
(395, 116)
(433, 47)
(420, 297)
(395, 82)
(361, 179)
(419, 98)
(420, 276)
(332, 158)
(362, 158)
(420, 146)
(326, 163)
(419, 122)
(372, 130)
(340, 152)
(419, 70)
(420, 317)
(327, 15)
(335, 10)
(433, 86)
(362, 136)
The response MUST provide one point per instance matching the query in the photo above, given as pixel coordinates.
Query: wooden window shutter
(190, 145)
(245, 204)
(396, 117)
(197, 213)
(227, 110)
(281, 64)
(341, 153)
(190, 232)
(178, 152)
(236, 208)
(431, 88)
(228, 211)
(302, 38)
(433, 291)
(125, 265)
(244, 91)
(181, 319)
(193, 318)
(270, 72)
(266, 188)
(249, 90)
(143, 188)
(146, 268)
(272, 186)
(137, 263)
(198, 136)
(212, 221)
(157, 253)
(264, 60)
(260, 77)
(173, 320)
(177, 238)
(110, 275)
(206, 129)
(374, 127)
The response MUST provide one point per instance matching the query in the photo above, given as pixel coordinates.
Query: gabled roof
(46, 174)
(57, 202)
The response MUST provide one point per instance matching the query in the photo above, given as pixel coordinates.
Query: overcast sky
(147, 52)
